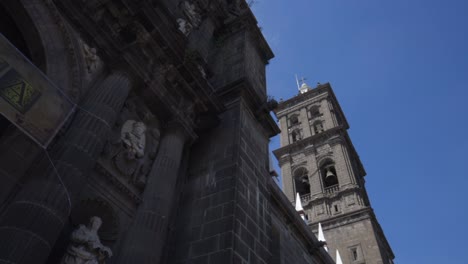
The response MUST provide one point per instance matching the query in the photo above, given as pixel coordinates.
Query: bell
(304, 179)
(329, 176)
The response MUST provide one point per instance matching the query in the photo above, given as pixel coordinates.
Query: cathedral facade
(320, 165)
(163, 154)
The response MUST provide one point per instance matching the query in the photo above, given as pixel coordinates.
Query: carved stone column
(33, 221)
(146, 237)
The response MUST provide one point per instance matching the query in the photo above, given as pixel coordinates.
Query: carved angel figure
(85, 246)
(133, 138)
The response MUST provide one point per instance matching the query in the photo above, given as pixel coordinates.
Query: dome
(304, 88)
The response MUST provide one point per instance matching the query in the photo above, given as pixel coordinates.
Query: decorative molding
(113, 179)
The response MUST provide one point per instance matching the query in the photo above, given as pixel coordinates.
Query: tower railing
(332, 189)
(305, 198)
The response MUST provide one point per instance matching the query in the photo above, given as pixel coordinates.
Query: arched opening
(329, 176)
(318, 127)
(293, 120)
(301, 181)
(314, 111)
(296, 135)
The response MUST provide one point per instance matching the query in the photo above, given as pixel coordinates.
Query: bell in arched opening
(330, 177)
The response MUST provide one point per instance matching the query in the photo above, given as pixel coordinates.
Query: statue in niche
(134, 143)
(91, 58)
(129, 160)
(132, 158)
(134, 139)
(85, 246)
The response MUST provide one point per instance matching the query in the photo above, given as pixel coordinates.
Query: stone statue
(85, 246)
(91, 58)
(134, 139)
(129, 159)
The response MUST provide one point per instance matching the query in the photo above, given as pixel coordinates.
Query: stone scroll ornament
(85, 246)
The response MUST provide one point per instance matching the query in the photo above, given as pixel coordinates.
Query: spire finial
(298, 203)
(338, 258)
(321, 237)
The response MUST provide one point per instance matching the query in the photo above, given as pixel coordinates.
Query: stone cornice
(321, 88)
(247, 20)
(345, 219)
(353, 217)
(256, 103)
(312, 140)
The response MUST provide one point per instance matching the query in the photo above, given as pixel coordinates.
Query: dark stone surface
(209, 197)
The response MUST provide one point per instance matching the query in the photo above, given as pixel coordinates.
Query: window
(355, 254)
(301, 181)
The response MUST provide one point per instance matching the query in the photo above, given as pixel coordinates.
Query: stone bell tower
(318, 161)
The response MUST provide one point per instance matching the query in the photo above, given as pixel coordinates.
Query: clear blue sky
(400, 71)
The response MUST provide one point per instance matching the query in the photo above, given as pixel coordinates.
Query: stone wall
(227, 208)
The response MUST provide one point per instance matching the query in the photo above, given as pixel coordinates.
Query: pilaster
(284, 138)
(147, 235)
(305, 123)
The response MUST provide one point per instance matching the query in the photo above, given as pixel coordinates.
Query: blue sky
(400, 71)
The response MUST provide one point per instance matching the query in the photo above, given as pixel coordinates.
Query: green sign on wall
(28, 98)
